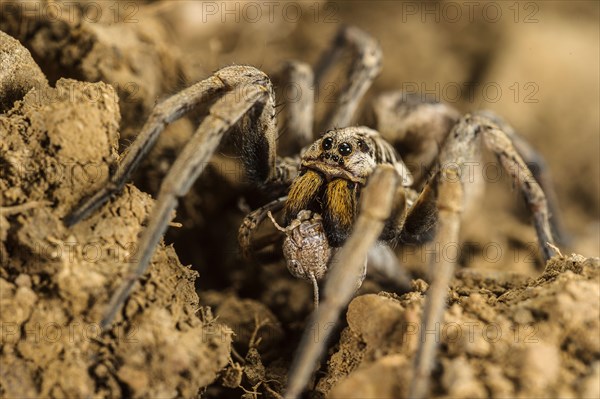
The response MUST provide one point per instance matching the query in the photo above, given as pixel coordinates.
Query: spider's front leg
(448, 190)
(231, 93)
(380, 198)
(246, 233)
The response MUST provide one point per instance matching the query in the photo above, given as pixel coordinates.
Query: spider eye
(327, 143)
(345, 149)
(363, 146)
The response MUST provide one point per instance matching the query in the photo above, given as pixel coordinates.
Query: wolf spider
(346, 191)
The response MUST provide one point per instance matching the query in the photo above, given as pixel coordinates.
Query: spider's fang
(340, 204)
(303, 190)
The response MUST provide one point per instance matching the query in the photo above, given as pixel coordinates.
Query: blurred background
(534, 63)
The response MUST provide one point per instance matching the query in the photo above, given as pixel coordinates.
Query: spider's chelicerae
(346, 190)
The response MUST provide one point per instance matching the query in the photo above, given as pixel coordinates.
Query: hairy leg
(415, 127)
(364, 68)
(295, 85)
(449, 189)
(539, 169)
(209, 90)
(449, 208)
(500, 144)
(164, 113)
(251, 223)
(249, 92)
(348, 269)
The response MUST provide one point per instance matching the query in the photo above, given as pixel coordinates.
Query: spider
(345, 191)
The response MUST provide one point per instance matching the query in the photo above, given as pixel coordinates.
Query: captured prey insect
(346, 190)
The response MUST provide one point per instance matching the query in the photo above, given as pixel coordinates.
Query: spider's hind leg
(365, 65)
(294, 84)
(540, 171)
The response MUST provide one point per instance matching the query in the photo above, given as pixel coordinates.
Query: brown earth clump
(57, 145)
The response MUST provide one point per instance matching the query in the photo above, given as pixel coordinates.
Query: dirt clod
(538, 330)
(56, 146)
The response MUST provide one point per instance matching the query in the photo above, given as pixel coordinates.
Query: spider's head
(333, 171)
(347, 153)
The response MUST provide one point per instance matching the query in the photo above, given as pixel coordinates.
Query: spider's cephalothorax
(332, 172)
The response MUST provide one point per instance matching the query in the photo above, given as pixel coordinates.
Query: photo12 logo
(71, 11)
(471, 92)
(69, 173)
(269, 11)
(469, 11)
(89, 252)
(53, 332)
(470, 331)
